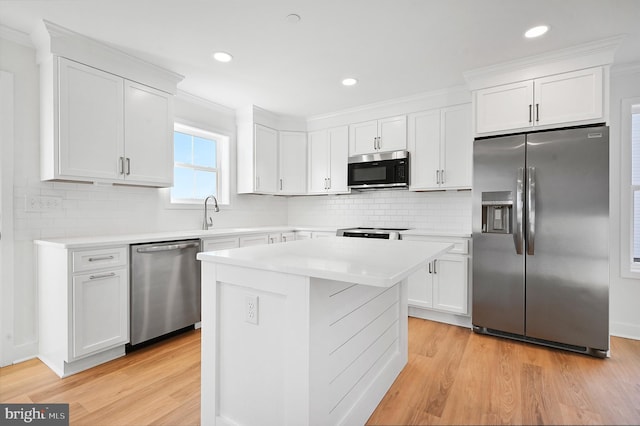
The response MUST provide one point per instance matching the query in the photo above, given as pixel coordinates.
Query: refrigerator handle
(517, 234)
(531, 213)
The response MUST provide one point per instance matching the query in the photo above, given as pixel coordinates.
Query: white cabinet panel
(448, 293)
(266, 159)
(387, 134)
(91, 123)
(148, 128)
(288, 236)
(328, 156)
(100, 311)
(441, 148)
(221, 243)
(293, 164)
(504, 107)
(569, 97)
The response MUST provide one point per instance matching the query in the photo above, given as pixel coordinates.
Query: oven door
(378, 174)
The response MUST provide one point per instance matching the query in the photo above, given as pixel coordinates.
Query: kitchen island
(305, 333)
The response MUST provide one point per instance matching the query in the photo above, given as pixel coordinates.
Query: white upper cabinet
(148, 135)
(293, 164)
(106, 116)
(90, 124)
(110, 129)
(388, 134)
(328, 155)
(266, 159)
(569, 98)
(441, 148)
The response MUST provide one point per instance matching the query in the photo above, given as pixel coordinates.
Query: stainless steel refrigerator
(541, 238)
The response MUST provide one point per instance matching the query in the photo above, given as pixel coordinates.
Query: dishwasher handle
(168, 247)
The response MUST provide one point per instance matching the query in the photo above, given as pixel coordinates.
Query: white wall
(92, 209)
(435, 211)
(625, 292)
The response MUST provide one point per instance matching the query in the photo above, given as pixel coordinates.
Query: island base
(285, 349)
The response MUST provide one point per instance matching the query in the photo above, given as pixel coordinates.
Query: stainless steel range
(381, 233)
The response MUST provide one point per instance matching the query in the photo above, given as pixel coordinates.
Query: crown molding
(587, 55)
(15, 36)
(626, 68)
(206, 103)
(419, 97)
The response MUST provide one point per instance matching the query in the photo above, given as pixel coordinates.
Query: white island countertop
(380, 263)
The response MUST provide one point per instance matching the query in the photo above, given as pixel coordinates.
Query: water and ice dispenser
(496, 212)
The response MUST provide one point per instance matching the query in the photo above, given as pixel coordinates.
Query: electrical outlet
(251, 309)
(41, 203)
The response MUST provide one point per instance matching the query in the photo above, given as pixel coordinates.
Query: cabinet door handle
(284, 238)
(97, 259)
(328, 183)
(280, 184)
(434, 266)
(442, 176)
(438, 177)
(121, 171)
(102, 276)
(530, 114)
(128, 166)
(537, 112)
(429, 267)
(378, 142)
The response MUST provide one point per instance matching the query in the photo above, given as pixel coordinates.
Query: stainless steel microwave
(379, 170)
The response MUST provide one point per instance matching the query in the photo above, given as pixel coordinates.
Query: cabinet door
(100, 311)
(569, 97)
(318, 161)
(424, 148)
(338, 158)
(392, 133)
(148, 135)
(91, 122)
(288, 236)
(363, 137)
(266, 159)
(293, 163)
(213, 244)
(504, 107)
(456, 150)
(450, 282)
(254, 240)
(420, 289)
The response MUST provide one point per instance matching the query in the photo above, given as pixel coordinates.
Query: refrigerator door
(567, 266)
(498, 249)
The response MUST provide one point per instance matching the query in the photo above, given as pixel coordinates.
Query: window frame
(629, 268)
(221, 169)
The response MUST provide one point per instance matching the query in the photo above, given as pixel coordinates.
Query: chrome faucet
(208, 221)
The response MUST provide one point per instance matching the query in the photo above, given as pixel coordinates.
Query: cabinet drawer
(460, 245)
(86, 260)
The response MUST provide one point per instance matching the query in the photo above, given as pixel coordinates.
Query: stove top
(380, 233)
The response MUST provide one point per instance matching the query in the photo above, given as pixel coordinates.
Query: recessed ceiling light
(222, 57)
(293, 18)
(349, 81)
(536, 31)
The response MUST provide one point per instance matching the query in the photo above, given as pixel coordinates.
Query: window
(635, 179)
(630, 189)
(200, 159)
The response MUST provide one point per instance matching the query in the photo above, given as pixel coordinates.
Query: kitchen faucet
(208, 221)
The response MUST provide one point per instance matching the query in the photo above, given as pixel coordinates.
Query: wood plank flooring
(453, 377)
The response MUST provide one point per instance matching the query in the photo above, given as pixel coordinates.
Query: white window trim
(223, 167)
(628, 268)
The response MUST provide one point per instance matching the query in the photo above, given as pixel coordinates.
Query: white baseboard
(628, 331)
(459, 320)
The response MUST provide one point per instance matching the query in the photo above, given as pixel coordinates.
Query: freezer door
(498, 268)
(567, 278)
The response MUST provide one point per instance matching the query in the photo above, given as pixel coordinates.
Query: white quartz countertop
(366, 261)
(110, 240)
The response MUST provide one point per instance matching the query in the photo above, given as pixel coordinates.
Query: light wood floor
(453, 377)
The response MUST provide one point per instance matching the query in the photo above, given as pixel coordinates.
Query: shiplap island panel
(312, 332)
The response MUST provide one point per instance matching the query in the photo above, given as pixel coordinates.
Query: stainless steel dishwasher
(165, 288)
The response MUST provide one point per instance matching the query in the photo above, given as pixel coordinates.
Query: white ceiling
(395, 48)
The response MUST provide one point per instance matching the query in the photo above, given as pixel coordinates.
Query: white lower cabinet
(83, 306)
(254, 240)
(99, 311)
(288, 236)
(220, 243)
(444, 284)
